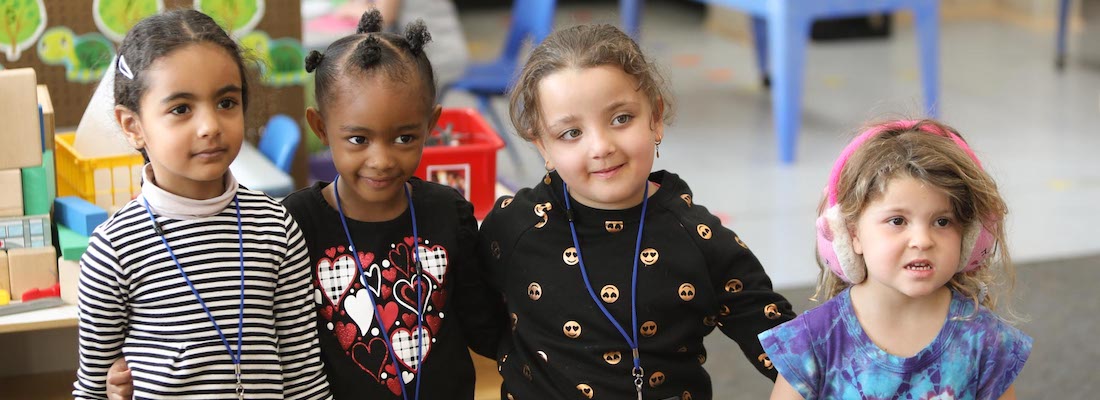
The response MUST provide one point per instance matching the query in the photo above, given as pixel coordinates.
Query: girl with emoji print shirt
(397, 296)
(612, 273)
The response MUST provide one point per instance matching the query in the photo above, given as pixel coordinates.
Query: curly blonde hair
(582, 46)
(934, 159)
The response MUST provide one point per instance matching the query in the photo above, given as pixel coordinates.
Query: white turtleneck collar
(174, 206)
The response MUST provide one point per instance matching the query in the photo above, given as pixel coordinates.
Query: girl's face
(191, 123)
(598, 132)
(376, 129)
(910, 239)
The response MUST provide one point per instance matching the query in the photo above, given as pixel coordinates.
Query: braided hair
(400, 57)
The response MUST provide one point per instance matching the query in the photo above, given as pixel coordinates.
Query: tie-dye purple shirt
(825, 354)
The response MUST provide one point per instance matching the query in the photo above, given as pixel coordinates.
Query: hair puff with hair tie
(313, 60)
(370, 22)
(416, 33)
(369, 50)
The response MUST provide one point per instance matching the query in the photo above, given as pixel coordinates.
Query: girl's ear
(657, 123)
(542, 151)
(317, 124)
(436, 111)
(857, 245)
(130, 123)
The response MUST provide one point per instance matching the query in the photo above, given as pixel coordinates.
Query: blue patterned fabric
(825, 354)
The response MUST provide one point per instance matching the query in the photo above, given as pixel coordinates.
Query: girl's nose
(379, 157)
(600, 144)
(208, 124)
(921, 238)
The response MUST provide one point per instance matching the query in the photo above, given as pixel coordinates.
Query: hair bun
(416, 33)
(369, 50)
(313, 60)
(370, 22)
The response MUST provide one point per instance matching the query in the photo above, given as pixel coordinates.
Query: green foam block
(38, 189)
(72, 243)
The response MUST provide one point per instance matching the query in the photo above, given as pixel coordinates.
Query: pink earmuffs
(834, 242)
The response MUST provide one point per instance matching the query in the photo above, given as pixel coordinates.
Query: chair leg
(760, 44)
(1063, 16)
(485, 103)
(787, 37)
(927, 21)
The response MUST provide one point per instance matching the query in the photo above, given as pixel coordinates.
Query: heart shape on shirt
(365, 353)
(335, 277)
(434, 260)
(345, 334)
(405, 293)
(388, 313)
(404, 345)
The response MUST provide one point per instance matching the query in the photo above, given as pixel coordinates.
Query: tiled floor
(1036, 130)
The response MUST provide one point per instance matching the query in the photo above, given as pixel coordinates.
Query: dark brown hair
(161, 34)
(583, 46)
(370, 50)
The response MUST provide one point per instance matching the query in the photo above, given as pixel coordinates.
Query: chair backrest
(280, 140)
(534, 18)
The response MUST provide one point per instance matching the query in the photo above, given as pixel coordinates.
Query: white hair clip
(124, 69)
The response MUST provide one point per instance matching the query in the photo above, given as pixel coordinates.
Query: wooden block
(46, 119)
(20, 135)
(68, 274)
(5, 278)
(29, 231)
(11, 193)
(31, 268)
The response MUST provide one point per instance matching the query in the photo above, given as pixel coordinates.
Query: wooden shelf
(50, 318)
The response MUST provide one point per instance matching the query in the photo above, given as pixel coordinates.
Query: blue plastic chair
(280, 140)
(781, 29)
(1063, 16)
(530, 18)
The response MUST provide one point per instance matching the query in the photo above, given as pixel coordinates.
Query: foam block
(29, 231)
(68, 274)
(5, 274)
(78, 214)
(72, 244)
(36, 187)
(21, 135)
(32, 268)
(11, 193)
(46, 120)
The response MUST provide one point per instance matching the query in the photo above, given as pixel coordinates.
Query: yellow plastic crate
(108, 182)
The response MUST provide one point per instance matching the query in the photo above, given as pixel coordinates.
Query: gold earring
(657, 145)
(546, 179)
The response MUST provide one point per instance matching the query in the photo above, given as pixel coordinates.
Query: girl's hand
(120, 385)
(783, 390)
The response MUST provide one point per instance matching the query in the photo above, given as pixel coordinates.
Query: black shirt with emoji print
(693, 275)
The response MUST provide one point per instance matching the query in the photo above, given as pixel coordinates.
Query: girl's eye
(180, 110)
(943, 222)
(357, 140)
(570, 134)
(896, 221)
(622, 119)
(226, 104)
(404, 139)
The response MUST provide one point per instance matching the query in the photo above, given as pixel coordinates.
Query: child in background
(394, 260)
(910, 240)
(613, 274)
(200, 283)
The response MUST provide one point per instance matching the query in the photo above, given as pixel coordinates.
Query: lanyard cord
(374, 302)
(637, 372)
(240, 316)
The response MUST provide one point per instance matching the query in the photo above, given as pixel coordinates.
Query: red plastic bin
(468, 162)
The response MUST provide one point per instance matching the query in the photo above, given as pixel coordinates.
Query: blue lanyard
(236, 357)
(374, 302)
(638, 372)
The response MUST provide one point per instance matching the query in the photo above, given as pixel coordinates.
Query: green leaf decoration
(115, 17)
(21, 23)
(238, 17)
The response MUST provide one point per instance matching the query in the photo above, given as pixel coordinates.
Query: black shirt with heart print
(460, 309)
(693, 275)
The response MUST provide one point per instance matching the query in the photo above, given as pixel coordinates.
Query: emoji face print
(734, 285)
(649, 256)
(767, 361)
(648, 328)
(702, 358)
(656, 379)
(724, 311)
(772, 311)
(540, 211)
(585, 390)
(703, 229)
(572, 329)
(612, 357)
(740, 242)
(494, 247)
(505, 202)
(609, 294)
(613, 226)
(710, 320)
(542, 355)
(570, 256)
(687, 198)
(534, 291)
(686, 395)
(686, 291)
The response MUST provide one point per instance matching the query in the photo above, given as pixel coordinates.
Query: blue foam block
(78, 214)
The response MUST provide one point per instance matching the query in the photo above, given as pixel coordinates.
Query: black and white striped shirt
(134, 303)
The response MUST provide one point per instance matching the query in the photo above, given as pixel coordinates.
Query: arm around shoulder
(784, 391)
